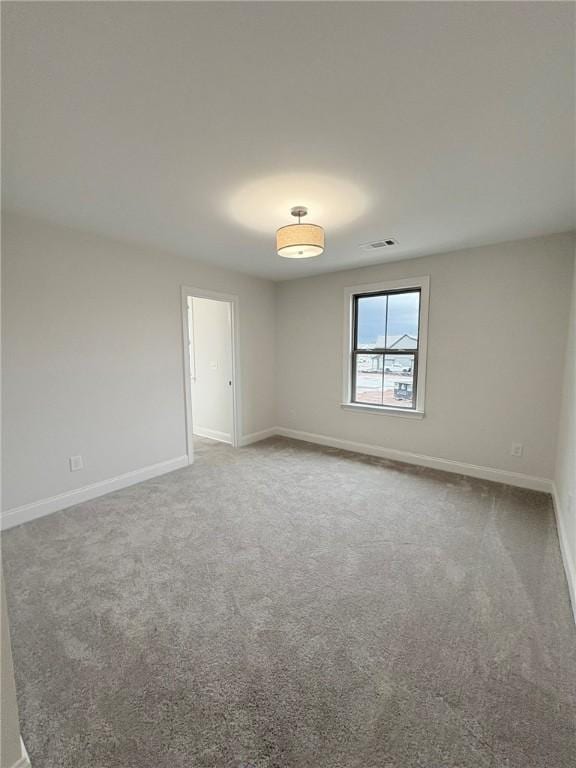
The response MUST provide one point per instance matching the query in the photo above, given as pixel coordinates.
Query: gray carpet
(285, 606)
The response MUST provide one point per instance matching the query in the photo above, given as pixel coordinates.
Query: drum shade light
(300, 241)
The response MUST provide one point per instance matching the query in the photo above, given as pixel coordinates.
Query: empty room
(288, 385)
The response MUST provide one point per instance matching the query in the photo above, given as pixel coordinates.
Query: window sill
(383, 410)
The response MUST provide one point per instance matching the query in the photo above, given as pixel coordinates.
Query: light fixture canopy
(300, 241)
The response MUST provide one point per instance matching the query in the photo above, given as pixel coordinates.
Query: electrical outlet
(76, 463)
(517, 449)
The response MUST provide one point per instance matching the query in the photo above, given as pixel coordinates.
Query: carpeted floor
(290, 606)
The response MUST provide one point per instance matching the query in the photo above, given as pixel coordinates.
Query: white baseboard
(35, 509)
(23, 761)
(569, 565)
(446, 465)
(213, 434)
(255, 437)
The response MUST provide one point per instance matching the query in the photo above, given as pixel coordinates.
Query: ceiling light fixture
(299, 241)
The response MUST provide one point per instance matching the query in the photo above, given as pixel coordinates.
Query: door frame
(203, 293)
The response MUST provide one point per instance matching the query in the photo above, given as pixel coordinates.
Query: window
(386, 347)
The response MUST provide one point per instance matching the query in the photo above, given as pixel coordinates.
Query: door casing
(232, 300)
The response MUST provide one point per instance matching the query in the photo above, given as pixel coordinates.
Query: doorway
(210, 366)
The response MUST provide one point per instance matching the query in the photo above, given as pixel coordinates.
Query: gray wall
(497, 334)
(93, 356)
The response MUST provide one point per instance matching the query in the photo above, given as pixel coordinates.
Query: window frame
(351, 295)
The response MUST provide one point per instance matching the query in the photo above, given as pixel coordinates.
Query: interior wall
(93, 356)
(93, 364)
(497, 331)
(212, 410)
(565, 479)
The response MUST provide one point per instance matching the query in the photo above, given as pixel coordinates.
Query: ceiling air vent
(386, 242)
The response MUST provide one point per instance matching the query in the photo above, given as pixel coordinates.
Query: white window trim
(423, 283)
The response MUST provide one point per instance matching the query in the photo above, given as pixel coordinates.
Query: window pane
(402, 331)
(369, 379)
(371, 322)
(399, 381)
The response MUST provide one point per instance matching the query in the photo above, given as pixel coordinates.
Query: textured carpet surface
(285, 605)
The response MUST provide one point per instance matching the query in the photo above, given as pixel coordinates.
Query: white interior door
(211, 369)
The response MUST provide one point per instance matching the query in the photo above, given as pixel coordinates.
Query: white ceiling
(195, 126)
